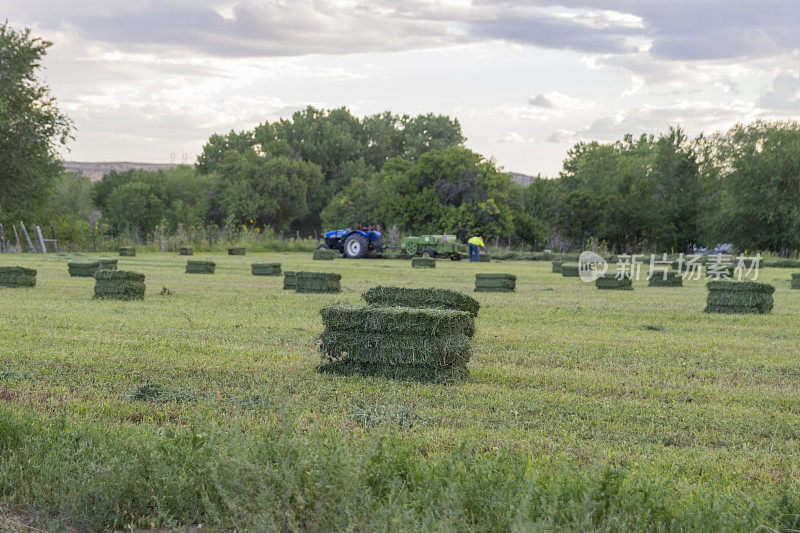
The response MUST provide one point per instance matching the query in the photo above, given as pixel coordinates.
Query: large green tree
(31, 127)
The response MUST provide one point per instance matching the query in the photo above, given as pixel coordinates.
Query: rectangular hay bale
(388, 296)
(107, 263)
(570, 270)
(323, 254)
(186, 250)
(265, 269)
(83, 269)
(557, 267)
(423, 262)
(495, 283)
(237, 250)
(611, 281)
(14, 277)
(796, 281)
(665, 278)
(289, 280)
(127, 251)
(194, 266)
(118, 285)
(321, 282)
(739, 297)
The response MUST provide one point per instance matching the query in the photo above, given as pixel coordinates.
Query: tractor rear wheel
(377, 248)
(355, 247)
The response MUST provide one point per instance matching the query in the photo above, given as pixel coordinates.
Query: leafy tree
(133, 207)
(31, 127)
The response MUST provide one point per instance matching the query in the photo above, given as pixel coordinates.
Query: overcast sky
(527, 79)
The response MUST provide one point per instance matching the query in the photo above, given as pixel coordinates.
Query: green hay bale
(484, 257)
(505, 256)
(83, 269)
(781, 263)
(118, 285)
(324, 255)
(400, 320)
(388, 296)
(739, 297)
(427, 345)
(610, 281)
(127, 251)
(495, 283)
(15, 277)
(107, 263)
(570, 270)
(289, 280)
(186, 250)
(557, 267)
(325, 282)
(672, 279)
(265, 269)
(423, 262)
(200, 267)
(237, 250)
(796, 281)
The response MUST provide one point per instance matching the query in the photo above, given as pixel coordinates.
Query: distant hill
(96, 171)
(522, 179)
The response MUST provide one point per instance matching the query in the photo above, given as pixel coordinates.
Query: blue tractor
(354, 243)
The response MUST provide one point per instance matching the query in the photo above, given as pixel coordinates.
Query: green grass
(585, 409)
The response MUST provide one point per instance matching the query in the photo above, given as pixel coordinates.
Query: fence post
(31, 247)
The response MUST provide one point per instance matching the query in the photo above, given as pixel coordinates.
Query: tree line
(327, 169)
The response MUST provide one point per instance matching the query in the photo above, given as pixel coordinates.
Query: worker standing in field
(475, 244)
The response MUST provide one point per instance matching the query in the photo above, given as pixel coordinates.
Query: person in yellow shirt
(475, 244)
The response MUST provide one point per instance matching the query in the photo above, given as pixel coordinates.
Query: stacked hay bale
(118, 285)
(327, 282)
(495, 282)
(430, 345)
(237, 250)
(423, 262)
(127, 251)
(796, 281)
(324, 254)
(614, 282)
(17, 277)
(266, 269)
(557, 267)
(83, 269)
(570, 270)
(739, 297)
(186, 250)
(200, 267)
(484, 258)
(388, 296)
(107, 263)
(668, 278)
(289, 280)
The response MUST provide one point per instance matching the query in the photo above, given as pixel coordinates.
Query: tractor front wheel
(355, 247)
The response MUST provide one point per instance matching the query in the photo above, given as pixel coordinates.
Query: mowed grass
(580, 400)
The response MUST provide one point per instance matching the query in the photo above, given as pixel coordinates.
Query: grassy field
(587, 409)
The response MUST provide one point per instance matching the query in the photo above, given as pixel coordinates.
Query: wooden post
(55, 240)
(2, 239)
(31, 247)
(37, 233)
(19, 246)
(83, 239)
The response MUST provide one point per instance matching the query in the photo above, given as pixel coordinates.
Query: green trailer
(429, 246)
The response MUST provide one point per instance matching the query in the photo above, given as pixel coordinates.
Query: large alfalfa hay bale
(107, 263)
(570, 270)
(613, 282)
(796, 281)
(265, 269)
(323, 254)
(428, 345)
(127, 251)
(83, 269)
(557, 267)
(200, 267)
(495, 282)
(423, 262)
(237, 250)
(186, 250)
(484, 257)
(665, 278)
(289, 280)
(118, 285)
(17, 277)
(739, 297)
(327, 282)
(388, 296)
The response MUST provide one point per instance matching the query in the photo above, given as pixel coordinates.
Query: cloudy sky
(150, 80)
